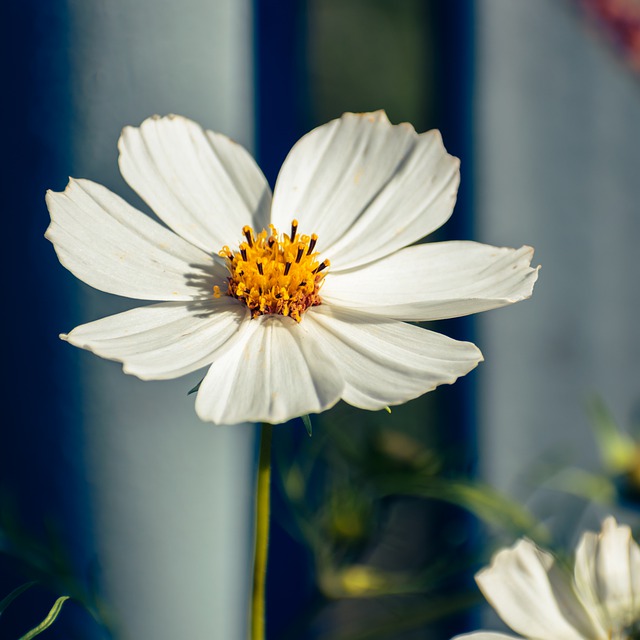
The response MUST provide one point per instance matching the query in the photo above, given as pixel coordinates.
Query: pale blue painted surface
(172, 496)
(558, 146)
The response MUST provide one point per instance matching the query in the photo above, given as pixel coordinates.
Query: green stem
(262, 535)
(48, 621)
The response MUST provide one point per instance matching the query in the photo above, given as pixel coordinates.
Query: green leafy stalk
(48, 621)
(263, 505)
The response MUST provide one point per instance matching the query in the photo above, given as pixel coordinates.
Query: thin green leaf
(484, 502)
(48, 621)
(583, 484)
(5, 602)
(195, 388)
(307, 423)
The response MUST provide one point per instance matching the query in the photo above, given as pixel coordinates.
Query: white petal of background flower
(387, 362)
(435, 280)
(366, 187)
(607, 575)
(113, 247)
(200, 183)
(534, 597)
(485, 635)
(271, 372)
(162, 341)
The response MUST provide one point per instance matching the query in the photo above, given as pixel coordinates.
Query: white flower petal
(366, 187)
(434, 281)
(165, 340)
(386, 362)
(485, 635)
(200, 183)
(113, 247)
(607, 574)
(533, 596)
(271, 372)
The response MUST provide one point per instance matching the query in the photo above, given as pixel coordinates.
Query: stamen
(287, 268)
(243, 251)
(312, 243)
(246, 230)
(259, 264)
(294, 229)
(300, 253)
(322, 266)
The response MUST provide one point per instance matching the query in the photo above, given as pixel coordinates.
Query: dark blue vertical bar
(455, 73)
(455, 76)
(281, 113)
(41, 469)
(281, 118)
(454, 114)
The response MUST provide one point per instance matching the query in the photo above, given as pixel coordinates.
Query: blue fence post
(42, 487)
(455, 78)
(281, 118)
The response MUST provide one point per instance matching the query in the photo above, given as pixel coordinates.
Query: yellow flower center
(275, 273)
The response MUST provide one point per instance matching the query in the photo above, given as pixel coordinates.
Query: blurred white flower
(541, 601)
(296, 302)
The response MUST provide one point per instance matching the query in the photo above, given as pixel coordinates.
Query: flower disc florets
(275, 273)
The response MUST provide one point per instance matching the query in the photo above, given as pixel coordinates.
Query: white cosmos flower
(541, 601)
(283, 341)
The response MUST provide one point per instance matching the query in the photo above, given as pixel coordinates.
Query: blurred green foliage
(365, 496)
(46, 563)
(616, 481)
(365, 55)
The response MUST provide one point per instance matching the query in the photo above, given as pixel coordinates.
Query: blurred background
(113, 492)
